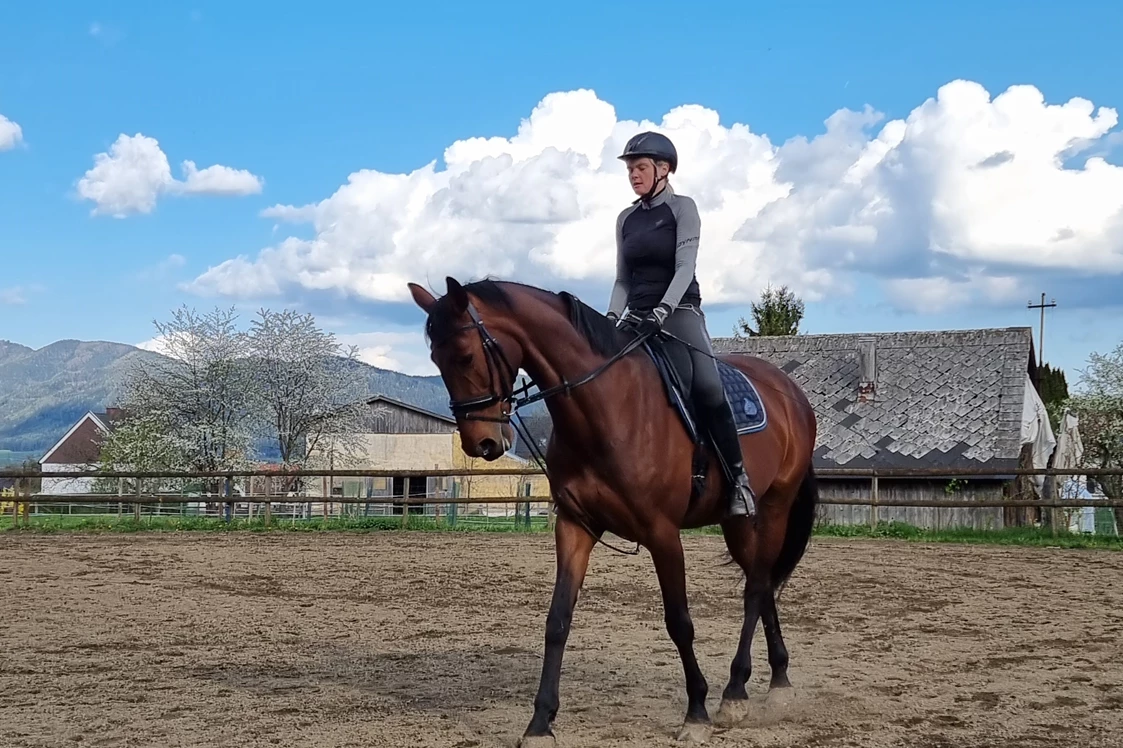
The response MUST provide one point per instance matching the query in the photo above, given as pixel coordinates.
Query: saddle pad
(748, 409)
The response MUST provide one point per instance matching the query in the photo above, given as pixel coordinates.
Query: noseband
(496, 360)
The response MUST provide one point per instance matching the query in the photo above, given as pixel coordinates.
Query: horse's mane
(597, 330)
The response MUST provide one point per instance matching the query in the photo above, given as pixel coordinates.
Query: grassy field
(1022, 536)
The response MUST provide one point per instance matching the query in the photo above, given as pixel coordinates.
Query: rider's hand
(653, 322)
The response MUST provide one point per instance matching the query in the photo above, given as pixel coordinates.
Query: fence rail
(227, 497)
(286, 499)
(935, 472)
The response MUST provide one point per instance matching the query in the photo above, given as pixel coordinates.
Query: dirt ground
(389, 639)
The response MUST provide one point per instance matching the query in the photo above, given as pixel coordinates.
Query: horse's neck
(588, 416)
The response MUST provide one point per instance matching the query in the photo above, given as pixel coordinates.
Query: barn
(919, 400)
(402, 436)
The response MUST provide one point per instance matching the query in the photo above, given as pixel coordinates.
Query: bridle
(497, 360)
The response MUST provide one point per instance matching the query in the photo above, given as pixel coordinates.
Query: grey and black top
(656, 253)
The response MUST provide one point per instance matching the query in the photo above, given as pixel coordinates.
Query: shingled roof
(938, 399)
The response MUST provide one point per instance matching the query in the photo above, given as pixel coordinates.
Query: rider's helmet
(654, 145)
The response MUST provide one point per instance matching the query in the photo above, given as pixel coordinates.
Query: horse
(620, 461)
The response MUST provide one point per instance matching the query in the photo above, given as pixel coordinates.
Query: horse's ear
(421, 297)
(457, 294)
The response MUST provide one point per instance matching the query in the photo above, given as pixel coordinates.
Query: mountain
(43, 392)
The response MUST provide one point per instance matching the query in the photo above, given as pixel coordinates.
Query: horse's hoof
(731, 712)
(537, 741)
(694, 732)
(780, 701)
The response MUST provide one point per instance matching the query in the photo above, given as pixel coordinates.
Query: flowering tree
(219, 394)
(307, 390)
(1099, 406)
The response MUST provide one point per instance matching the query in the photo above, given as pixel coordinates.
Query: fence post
(20, 483)
(873, 502)
(227, 489)
(454, 507)
(136, 504)
(405, 502)
(268, 500)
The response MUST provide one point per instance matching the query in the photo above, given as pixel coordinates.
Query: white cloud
(134, 173)
(399, 351)
(158, 344)
(937, 294)
(219, 180)
(13, 296)
(966, 196)
(11, 134)
(403, 351)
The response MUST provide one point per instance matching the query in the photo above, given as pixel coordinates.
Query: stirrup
(742, 503)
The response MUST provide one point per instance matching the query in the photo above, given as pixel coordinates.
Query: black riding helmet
(653, 145)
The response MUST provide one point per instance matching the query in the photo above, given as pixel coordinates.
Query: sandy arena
(389, 639)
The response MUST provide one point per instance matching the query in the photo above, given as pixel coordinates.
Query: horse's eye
(464, 361)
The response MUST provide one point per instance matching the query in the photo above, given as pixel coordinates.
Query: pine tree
(778, 312)
(1052, 387)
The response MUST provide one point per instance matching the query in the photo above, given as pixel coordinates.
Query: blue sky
(302, 97)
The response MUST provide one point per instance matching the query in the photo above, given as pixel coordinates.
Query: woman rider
(656, 250)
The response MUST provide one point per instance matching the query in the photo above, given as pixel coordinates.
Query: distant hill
(43, 392)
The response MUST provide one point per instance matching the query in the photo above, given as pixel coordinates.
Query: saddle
(673, 361)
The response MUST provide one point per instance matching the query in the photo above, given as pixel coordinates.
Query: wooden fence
(871, 501)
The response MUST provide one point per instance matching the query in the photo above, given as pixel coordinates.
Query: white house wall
(66, 485)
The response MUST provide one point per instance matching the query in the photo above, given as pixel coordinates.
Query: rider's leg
(689, 324)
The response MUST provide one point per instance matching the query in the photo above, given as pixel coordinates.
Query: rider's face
(642, 174)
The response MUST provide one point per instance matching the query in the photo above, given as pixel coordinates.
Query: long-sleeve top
(656, 254)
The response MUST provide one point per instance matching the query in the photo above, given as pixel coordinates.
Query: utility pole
(1041, 338)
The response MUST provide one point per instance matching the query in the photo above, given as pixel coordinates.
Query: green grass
(126, 524)
(1018, 536)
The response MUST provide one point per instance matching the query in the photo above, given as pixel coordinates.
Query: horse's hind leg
(671, 568)
(777, 650)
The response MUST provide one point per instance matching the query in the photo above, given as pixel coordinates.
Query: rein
(497, 359)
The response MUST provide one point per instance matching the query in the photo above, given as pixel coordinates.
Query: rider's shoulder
(683, 205)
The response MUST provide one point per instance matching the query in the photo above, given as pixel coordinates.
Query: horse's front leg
(670, 566)
(573, 546)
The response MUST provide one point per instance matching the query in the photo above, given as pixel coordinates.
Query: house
(403, 436)
(924, 401)
(78, 449)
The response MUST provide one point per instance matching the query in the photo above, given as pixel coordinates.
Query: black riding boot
(724, 434)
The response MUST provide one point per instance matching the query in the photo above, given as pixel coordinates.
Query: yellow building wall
(438, 452)
(505, 486)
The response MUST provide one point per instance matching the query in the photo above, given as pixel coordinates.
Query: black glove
(653, 322)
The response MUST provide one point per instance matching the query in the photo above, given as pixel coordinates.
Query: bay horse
(620, 460)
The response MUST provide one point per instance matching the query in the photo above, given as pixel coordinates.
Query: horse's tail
(801, 520)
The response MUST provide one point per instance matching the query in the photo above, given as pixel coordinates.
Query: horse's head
(478, 364)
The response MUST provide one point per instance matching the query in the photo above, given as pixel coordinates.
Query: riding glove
(653, 322)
